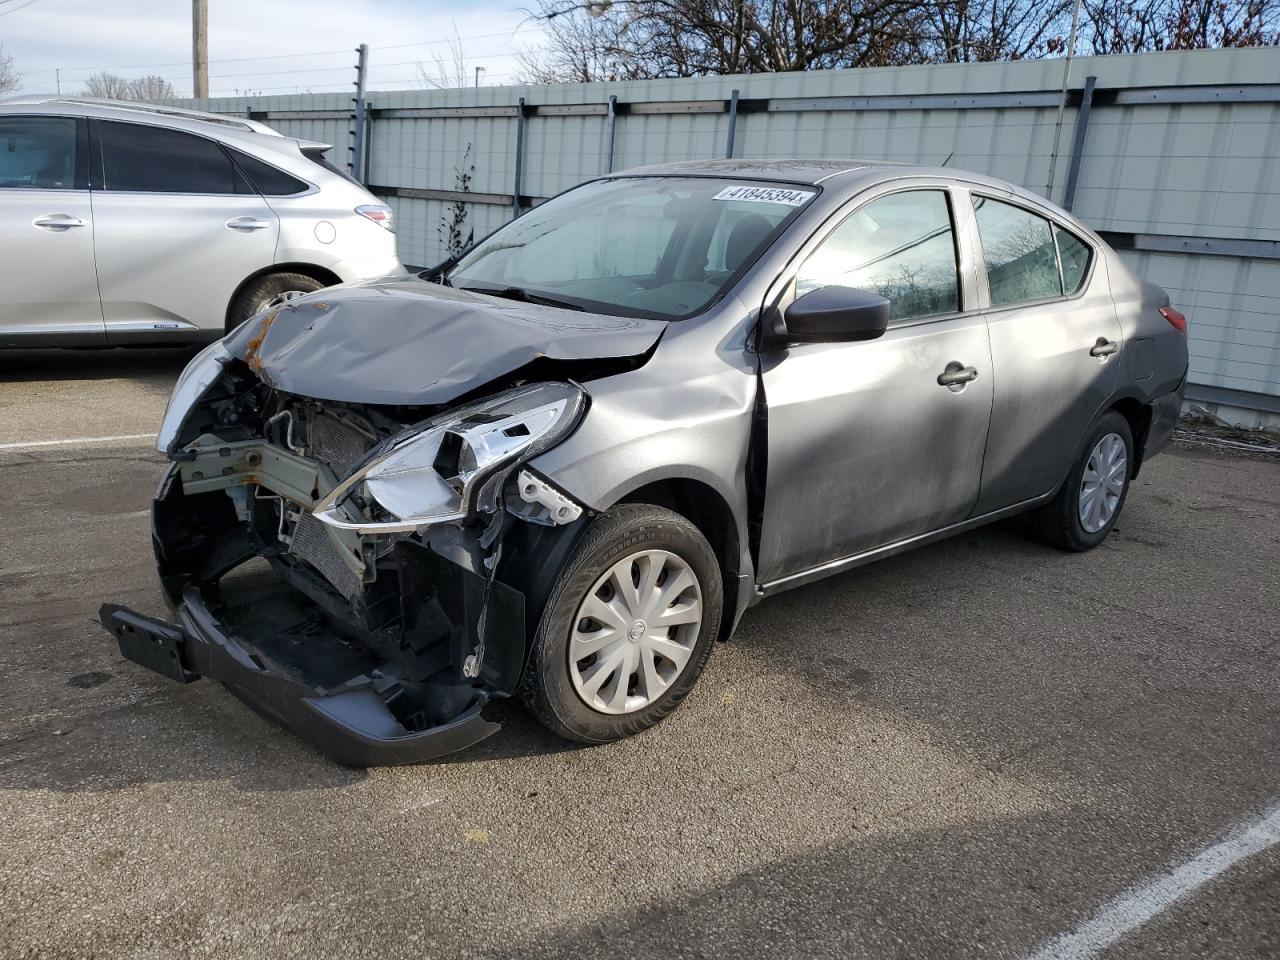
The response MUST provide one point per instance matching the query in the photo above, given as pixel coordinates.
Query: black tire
(547, 687)
(260, 293)
(1057, 523)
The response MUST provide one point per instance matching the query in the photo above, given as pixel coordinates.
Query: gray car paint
(616, 450)
(406, 341)
(859, 462)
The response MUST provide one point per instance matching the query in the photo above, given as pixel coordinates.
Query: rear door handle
(247, 224)
(956, 375)
(1103, 348)
(58, 221)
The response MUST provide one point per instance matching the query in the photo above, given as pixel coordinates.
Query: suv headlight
(438, 471)
(194, 381)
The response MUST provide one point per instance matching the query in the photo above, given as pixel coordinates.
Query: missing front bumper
(351, 722)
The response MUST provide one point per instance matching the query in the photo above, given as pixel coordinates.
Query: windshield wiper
(524, 296)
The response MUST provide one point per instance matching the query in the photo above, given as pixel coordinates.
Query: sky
(267, 46)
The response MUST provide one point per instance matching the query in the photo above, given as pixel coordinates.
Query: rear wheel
(1086, 508)
(269, 291)
(628, 626)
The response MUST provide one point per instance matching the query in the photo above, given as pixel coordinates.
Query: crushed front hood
(407, 341)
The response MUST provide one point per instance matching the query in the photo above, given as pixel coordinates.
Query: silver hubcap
(284, 297)
(635, 631)
(1103, 482)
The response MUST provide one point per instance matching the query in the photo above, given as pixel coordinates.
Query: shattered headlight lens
(198, 376)
(435, 473)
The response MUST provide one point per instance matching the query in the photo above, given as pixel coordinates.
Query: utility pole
(361, 112)
(200, 48)
(1062, 103)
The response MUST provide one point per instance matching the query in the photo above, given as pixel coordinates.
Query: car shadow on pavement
(93, 364)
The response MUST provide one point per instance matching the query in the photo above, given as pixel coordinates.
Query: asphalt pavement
(971, 750)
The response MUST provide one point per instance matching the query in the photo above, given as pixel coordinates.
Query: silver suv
(127, 223)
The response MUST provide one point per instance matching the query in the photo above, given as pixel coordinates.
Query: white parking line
(1138, 905)
(75, 440)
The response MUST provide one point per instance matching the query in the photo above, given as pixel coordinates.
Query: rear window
(266, 179)
(1018, 247)
(316, 156)
(145, 159)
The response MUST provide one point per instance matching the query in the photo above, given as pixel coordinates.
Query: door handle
(58, 221)
(956, 375)
(247, 224)
(1103, 348)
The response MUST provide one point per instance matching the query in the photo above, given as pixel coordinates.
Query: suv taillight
(380, 214)
(1176, 319)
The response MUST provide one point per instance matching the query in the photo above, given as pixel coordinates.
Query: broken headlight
(194, 381)
(437, 472)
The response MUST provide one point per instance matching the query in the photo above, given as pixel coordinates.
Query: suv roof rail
(159, 110)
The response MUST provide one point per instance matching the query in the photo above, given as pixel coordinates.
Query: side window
(38, 153)
(1017, 246)
(148, 159)
(901, 246)
(1075, 254)
(267, 180)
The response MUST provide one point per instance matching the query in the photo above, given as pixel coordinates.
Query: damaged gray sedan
(561, 466)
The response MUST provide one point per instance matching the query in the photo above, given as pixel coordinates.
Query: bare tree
(964, 31)
(634, 39)
(447, 69)
(689, 38)
(151, 88)
(10, 79)
(108, 86)
(1136, 26)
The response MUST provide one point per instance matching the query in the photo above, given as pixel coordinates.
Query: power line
(16, 9)
(281, 56)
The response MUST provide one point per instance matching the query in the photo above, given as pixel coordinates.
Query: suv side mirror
(836, 314)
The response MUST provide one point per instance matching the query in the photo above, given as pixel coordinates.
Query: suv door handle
(247, 224)
(1103, 348)
(58, 221)
(956, 375)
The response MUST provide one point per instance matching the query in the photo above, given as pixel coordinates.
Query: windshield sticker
(792, 198)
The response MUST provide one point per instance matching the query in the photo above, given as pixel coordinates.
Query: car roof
(840, 174)
(782, 170)
(196, 121)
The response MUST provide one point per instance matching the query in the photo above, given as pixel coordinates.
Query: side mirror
(836, 315)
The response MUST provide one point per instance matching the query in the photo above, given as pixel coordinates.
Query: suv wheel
(628, 626)
(269, 291)
(1086, 508)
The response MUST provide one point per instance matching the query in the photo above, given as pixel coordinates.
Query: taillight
(1176, 320)
(380, 214)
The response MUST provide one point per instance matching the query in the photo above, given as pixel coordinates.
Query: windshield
(662, 247)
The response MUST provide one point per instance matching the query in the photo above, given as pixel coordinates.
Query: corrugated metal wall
(1161, 172)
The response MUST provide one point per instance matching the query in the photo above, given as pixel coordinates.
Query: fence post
(515, 193)
(611, 119)
(357, 134)
(733, 125)
(1077, 142)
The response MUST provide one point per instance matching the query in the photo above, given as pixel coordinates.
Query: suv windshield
(662, 247)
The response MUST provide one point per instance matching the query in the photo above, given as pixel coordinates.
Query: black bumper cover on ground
(351, 724)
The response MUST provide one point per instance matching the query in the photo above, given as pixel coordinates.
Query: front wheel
(627, 628)
(1086, 508)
